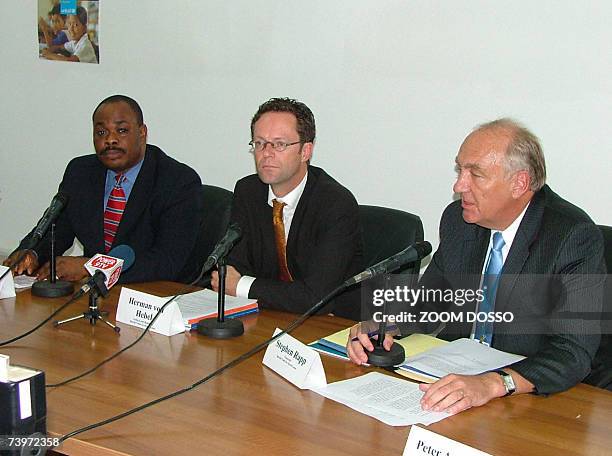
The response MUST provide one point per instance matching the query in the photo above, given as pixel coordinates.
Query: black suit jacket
(324, 246)
(160, 222)
(552, 282)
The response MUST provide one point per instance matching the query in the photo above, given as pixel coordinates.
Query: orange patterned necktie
(281, 243)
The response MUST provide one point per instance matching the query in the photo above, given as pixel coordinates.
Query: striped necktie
(114, 212)
(281, 242)
(484, 330)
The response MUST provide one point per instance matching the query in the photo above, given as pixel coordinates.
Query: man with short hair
(546, 256)
(301, 234)
(128, 192)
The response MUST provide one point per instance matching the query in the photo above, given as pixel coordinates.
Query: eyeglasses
(278, 146)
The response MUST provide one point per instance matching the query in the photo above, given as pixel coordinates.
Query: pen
(375, 333)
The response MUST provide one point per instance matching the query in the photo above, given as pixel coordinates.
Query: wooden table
(250, 409)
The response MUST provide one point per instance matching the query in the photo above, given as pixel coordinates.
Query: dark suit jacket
(323, 249)
(551, 280)
(160, 222)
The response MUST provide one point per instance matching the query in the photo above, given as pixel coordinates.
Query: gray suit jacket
(552, 282)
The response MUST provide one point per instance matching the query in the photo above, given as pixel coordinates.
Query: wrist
(495, 384)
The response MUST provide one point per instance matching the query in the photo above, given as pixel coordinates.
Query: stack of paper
(202, 304)
(335, 345)
(461, 356)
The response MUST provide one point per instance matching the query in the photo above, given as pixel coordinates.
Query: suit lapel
(95, 212)
(300, 212)
(519, 252)
(475, 251)
(140, 196)
(473, 256)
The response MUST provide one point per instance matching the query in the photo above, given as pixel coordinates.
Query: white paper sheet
(462, 356)
(392, 400)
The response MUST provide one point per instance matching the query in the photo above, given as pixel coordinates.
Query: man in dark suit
(159, 210)
(301, 235)
(550, 274)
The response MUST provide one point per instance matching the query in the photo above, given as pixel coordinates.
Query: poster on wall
(68, 30)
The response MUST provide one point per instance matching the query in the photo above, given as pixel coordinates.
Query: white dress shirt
(291, 200)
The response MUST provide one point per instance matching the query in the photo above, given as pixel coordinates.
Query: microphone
(58, 203)
(223, 247)
(106, 269)
(410, 254)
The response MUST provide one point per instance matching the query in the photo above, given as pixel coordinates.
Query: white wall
(395, 86)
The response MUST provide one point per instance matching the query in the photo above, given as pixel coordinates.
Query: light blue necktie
(484, 330)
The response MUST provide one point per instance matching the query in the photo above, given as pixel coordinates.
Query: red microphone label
(103, 262)
(110, 266)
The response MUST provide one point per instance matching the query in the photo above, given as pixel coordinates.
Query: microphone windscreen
(423, 248)
(124, 252)
(62, 196)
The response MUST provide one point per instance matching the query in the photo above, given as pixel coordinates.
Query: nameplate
(296, 362)
(422, 442)
(7, 286)
(136, 308)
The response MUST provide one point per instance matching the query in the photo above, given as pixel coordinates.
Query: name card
(136, 308)
(296, 362)
(427, 443)
(7, 286)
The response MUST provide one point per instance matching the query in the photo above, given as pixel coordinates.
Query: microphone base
(46, 289)
(383, 358)
(211, 327)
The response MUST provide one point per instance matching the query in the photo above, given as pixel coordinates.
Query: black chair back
(387, 231)
(217, 205)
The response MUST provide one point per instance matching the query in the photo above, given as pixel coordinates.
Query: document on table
(462, 356)
(392, 400)
(24, 281)
(202, 304)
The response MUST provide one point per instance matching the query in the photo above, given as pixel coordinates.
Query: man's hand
(355, 348)
(28, 264)
(455, 393)
(68, 268)
(231, 281)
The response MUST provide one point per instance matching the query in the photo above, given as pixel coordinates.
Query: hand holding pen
(359, 341)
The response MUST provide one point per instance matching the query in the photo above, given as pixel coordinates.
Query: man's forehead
(481, 149)
(280, 122)
(116, 113)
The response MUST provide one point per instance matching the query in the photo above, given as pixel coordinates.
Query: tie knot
(119, 179)
(277, 207)
(498, 241)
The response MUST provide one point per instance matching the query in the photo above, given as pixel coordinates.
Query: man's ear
(521, 183)
(306, 151)
(143, 133)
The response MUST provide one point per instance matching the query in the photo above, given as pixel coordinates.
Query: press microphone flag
(58, 203)
(106, 269)
(410, 254)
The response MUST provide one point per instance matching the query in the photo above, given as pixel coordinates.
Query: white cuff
(244, 286)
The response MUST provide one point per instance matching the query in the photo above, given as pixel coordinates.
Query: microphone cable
(74, 297)
(297, 322)
(138, 339)
(77, 295)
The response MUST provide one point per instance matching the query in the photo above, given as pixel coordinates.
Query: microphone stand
(52, 288)
(379, 356)
(94, 313)
(220, 328)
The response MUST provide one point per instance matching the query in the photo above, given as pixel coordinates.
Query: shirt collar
(509, 233)
(129, 175)
(292, 198)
